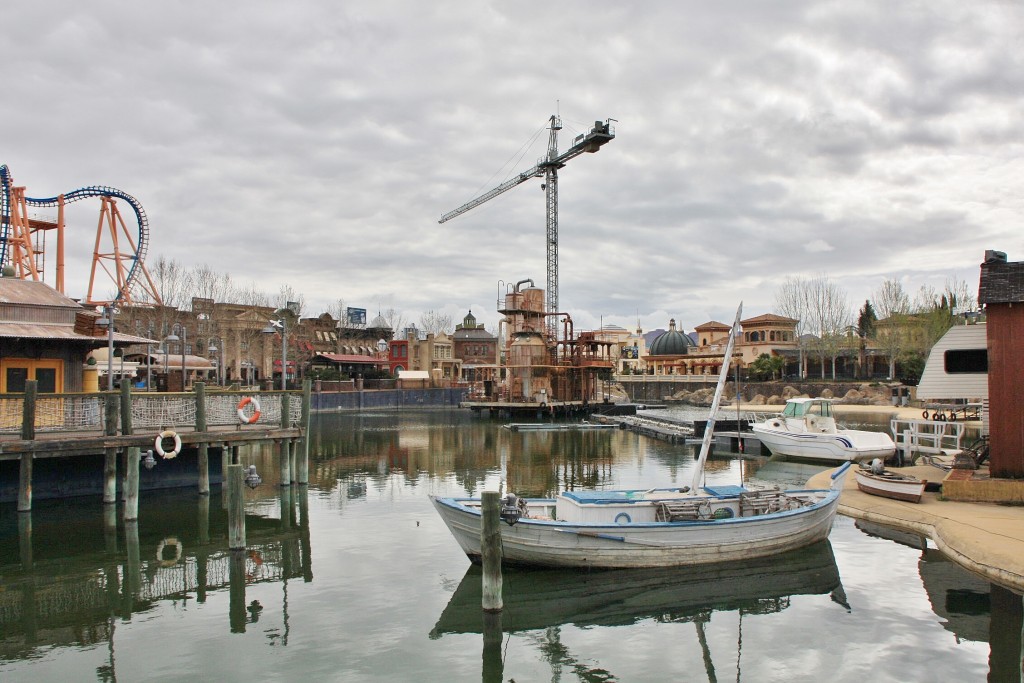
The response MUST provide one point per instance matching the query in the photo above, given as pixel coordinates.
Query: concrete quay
(986, 538)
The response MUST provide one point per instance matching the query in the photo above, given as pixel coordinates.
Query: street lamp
(108, 321)
(271, 328)
(220, 363)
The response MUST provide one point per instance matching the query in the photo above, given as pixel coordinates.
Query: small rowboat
(888, 484)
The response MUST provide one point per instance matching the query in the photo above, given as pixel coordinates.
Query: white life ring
(177, 552)
(242, 417)
(158, 445)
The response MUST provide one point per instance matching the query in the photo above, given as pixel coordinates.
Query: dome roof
(671, 343)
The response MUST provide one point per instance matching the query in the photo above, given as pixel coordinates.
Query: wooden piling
(307, 397)
(25, 541)
(28, 411)
(133, 580)
(293, 456)
(286, 406)
(126, 408)
(131, 500)
(236, 508)
(493, 666)
(284, 446)
(203, 455)
(490, 551)
(110, 454)
(25, 482)
(236, 591)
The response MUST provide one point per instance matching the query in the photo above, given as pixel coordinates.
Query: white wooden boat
(879, 481)
(652, 528)
(806, 429)
(692, 525)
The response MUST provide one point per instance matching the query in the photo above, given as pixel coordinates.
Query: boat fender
(158, 445)
(246, 419)
(925, 414)
(623, 518)
(164, 562)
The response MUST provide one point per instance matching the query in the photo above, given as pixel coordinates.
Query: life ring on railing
(158, 445)
(177, 551)
(241, 410)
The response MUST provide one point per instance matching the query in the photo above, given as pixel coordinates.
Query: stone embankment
(862, 394)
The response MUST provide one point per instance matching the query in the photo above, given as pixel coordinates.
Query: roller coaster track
(140, 245)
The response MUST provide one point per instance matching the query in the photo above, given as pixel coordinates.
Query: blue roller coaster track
(141, 241)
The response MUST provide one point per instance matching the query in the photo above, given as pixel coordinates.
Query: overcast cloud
(315, 144)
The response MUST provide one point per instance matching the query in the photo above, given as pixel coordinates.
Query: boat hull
(546, 543)
(839, 447)
(896, 487)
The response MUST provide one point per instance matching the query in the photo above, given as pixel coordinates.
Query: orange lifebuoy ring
(248, 420)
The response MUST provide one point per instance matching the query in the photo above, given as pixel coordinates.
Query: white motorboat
(690, 525)
(806, 429)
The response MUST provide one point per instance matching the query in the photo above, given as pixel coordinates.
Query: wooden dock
(122, 426)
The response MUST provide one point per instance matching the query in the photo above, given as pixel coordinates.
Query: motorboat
(806, 429)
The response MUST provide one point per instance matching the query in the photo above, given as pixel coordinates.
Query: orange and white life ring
(165, 562)
(248, 420)
(158, 445)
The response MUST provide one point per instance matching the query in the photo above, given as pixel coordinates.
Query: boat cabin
(801, 407)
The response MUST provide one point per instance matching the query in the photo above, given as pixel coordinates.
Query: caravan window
(959, 361)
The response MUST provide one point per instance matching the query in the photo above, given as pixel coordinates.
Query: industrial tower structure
(547, 168)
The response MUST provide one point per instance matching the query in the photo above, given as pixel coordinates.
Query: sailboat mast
(705, 446)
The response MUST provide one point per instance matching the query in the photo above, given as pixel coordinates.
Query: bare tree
(434, 322)
(890, 299)
(791, 300)
(829, 318)
(395, 320)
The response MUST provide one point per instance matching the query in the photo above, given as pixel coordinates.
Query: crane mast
(547, 168)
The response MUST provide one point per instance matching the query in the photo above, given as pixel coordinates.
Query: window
(959, 361)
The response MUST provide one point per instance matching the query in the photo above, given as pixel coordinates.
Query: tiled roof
(1001, 283)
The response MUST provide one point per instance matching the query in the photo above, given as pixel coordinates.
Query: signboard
(355, 316)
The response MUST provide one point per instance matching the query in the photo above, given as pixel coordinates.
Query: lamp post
(108, 321)
(271, 328)
(220, 363)
(167, 349)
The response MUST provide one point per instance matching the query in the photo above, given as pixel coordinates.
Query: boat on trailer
(657, 527)
(806, 429)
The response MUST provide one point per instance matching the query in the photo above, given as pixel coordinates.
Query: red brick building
(1001, 292)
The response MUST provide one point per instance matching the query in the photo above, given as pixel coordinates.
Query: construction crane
(547, 168)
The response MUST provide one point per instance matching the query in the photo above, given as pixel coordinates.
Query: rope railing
(85, 412)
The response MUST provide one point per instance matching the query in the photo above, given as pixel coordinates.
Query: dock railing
(929, 437)
(84, 413)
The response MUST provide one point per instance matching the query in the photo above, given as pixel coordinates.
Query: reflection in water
(539, 603)
(70, 583)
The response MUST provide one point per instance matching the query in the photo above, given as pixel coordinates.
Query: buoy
(248, 420)
(158, 445)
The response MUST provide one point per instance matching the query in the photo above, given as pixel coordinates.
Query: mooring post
(28, 410)
(293, 457)
(236, 508)
(490, 551)
(25, 541)
(131, 499)
(110, 529)
(25, 482)
(110, 454)
(307, 399)
(284, 446)
(126, 408)
(203, 447)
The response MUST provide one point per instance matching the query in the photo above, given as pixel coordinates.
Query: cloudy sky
(315, 144)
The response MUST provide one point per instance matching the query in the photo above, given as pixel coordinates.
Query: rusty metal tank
(533, 299)
(528, 358)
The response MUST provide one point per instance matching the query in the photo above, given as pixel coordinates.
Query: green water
(360, 581)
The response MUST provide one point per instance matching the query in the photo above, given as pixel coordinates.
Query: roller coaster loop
(140, 244)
